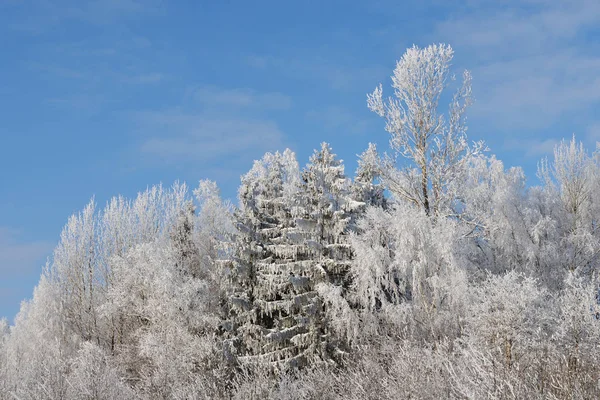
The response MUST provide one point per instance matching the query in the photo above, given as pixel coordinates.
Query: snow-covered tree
(510, 314)
(326, 210)
(577, 335)
(168, 322)
(466, 283)
(570, 176)
(214, 239)
(407, 274)
(39, 347)
(95, 376)
(269, 305)
(74, 269)
(4, 336)
(498, 216)
(215, 224)
(434, 146)
(165, 299)
(294, 259)
(326, 213)
(366, 186)
(569, 184)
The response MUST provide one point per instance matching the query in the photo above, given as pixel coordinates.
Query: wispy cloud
(21, 263)
(593, 131)
(57, 70)
(183, 137)
(532, 147)
(90, 104)
(97, 66)
(18, 257)
(532, 64)
(94, 75)
(143, 78)
(537, 148)
(212, 124)
(45, 15)
(534, 92)
(335, 74)
(339, 119)
(213, 96)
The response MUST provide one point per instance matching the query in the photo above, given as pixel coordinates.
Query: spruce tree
(326, 212)
(265, 300)
(292, 260)
(366, 187)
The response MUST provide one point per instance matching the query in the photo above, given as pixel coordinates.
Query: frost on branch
(292, 241)
(367, 187)
(444, 276)
(434, 146)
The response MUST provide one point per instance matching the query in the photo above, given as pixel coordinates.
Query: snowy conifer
(292, 260)
(366, 187)
(265, 298)
(325, 214)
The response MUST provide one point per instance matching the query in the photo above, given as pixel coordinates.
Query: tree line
(432, 272)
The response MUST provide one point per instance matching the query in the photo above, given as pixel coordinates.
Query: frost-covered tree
(434, 146)
(498, 216)
(366, 186)
(130, 299)
(95, 376)
(326, 213)
(407, 274)
(214, 238)
(270, 306)
(4, 336)
(215, 224)
(293, 259)
(570, 176)
(577, 335)
(39, 347)
(466, 283)
(74, 269)
(509, 313)
(182, 240)
(570, 181)
(165, 298)
(167, 318)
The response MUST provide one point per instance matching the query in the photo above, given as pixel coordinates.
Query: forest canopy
(432, 271)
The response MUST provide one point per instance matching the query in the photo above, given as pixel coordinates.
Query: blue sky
(100, 98)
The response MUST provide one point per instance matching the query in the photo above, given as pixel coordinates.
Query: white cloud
(336, 75)
(213, 96)
(20, 258)
(21, 264)
(144, 78)
(339, 119)
(532, 64)
(593, 131)
(184, 137)
(541, 147)
(232, 125)
(534, 92)
(45, 15)
(535, 148)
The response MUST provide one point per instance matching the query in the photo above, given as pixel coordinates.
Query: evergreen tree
(267, 300)
(325, 213)
(292, 259)
(366, 187)
(326, 210)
